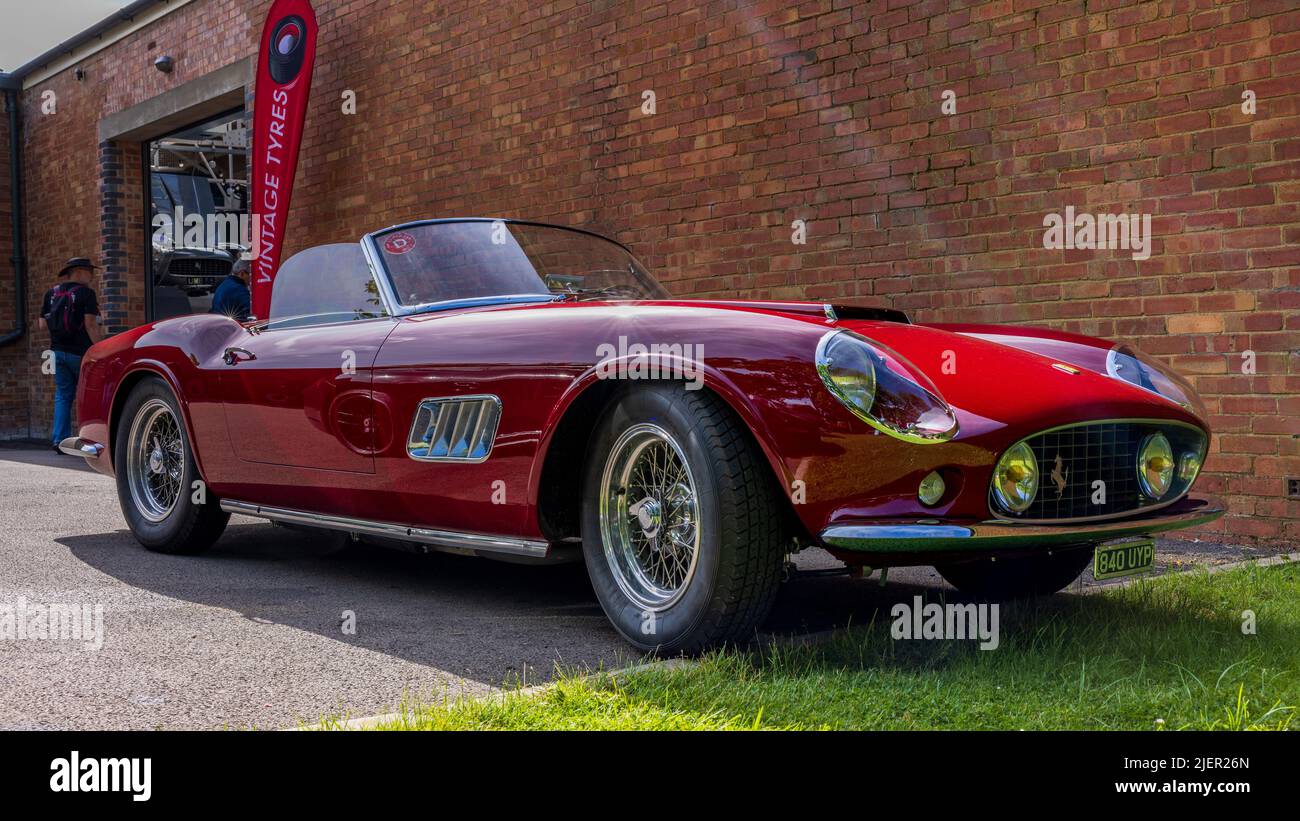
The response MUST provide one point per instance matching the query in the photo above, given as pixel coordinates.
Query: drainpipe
(16, 204)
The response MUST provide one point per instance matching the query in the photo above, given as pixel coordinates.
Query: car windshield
(445, 262)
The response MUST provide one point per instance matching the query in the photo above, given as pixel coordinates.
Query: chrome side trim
(76, 446)
(454, 429)
(992, 535)
(477, 542)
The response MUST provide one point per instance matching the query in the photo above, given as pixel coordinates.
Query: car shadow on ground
(25, 453)
(486, 621)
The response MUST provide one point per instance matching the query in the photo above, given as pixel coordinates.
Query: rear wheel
(1019, 577)
(681, 528)
(156, 475)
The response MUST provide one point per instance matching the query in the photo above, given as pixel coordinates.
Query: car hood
(1036, 381)
(993, 376)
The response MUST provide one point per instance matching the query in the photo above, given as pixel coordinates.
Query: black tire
(186, 527)
(741, 547)
(1019, 577)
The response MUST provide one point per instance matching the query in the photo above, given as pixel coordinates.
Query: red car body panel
(294, 428)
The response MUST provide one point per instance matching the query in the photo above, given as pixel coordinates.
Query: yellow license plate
(1117, 559)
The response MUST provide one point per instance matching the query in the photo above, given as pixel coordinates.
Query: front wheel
(1019, 577)
(681, 527)
(158, 483)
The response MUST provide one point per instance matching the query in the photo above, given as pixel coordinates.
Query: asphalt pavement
(275, 627)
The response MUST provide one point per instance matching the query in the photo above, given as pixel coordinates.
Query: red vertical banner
(284, 65)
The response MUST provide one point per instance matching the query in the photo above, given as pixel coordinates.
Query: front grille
(207, 267)
(1073, 459)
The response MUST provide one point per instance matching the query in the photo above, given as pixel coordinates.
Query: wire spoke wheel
(155, 460)
(649, 517)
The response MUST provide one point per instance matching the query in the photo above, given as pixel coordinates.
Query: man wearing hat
(69, 310)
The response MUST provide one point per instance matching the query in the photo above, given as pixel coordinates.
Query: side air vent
(454, 429)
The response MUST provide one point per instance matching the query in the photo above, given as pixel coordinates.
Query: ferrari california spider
(513, 389)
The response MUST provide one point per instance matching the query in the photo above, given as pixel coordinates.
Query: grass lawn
(1165, 653)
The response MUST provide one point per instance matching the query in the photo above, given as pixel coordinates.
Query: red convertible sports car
(507, 388)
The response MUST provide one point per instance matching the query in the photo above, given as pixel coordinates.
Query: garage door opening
(197, 212)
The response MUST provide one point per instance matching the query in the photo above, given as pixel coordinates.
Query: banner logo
(286, 57)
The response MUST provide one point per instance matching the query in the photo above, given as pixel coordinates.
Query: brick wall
(13, 393)
(84, 198)
(829, 112)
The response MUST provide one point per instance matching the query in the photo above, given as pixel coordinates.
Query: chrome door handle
(233, 355)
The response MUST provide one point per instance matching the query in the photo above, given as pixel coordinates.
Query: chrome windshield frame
(382, 283)
(479, 302)
(370, 247)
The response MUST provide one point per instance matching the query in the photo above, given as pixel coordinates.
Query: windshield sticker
(399, 243)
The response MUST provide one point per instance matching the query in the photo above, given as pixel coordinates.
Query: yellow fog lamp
(1155, 466)
(1015, 479)
(931, 489)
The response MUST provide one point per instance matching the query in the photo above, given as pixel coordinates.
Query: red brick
(827, 111)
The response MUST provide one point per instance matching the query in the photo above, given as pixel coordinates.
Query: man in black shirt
(70, 310)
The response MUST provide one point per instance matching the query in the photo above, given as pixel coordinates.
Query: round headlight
(848, 370)
(1189, 465)
(1155, 466)
(882, 389)
(1015, 479)
(1136, 368)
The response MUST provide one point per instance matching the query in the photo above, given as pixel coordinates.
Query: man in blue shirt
(231, 296)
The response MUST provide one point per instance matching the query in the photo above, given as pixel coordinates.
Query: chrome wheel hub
(156, 463)
(648, 514)
(649, 517)
(155, 460)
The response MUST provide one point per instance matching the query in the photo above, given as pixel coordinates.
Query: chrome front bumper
(995, 535)
(76, 446)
